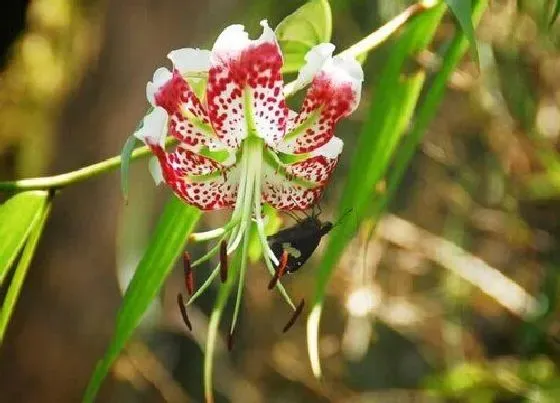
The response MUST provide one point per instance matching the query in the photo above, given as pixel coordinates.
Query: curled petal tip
(188, 60)
(331, 150)
(154, 128)
(155, 170)
(315, 59)
(350, 66)
(161, 76)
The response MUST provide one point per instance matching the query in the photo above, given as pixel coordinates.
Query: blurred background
(455, 298)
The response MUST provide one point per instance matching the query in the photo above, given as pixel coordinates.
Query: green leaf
(308, 26)
(396, 95)
(427, 111)
(126, 153)
(166, 244)
(36, 228)
(367, 170)
(462, 9)
(555, 12)
(17, 217)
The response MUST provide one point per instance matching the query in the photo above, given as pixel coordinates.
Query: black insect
(299, 241)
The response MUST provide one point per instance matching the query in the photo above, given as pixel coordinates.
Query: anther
(230, 340)
(280, 271)
(183, 310)
(294, 317)
(189, 276)
(223, 261)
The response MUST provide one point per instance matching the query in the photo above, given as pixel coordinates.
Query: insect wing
(299, 241)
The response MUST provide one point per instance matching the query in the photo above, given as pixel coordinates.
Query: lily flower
(238, 144)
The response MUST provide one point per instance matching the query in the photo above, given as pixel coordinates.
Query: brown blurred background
(409, 317)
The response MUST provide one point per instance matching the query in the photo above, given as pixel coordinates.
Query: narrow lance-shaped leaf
(308, 26)
(391, 111)
(22, 267)
(426, 112)
(167, 242)
(462, 9)
(17, 216)
(424, 28)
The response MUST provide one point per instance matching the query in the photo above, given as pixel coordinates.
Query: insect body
(299, 241)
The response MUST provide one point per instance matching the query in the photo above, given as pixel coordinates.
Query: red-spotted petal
(198, 180)
(316, 169)
(284, 194)
(334, 94)
(245, 84)
(188, 120)
(299, 185)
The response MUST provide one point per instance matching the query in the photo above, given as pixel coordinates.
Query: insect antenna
(292, 215)
(317, 210)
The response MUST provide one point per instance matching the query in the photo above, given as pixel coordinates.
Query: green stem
(62, 180)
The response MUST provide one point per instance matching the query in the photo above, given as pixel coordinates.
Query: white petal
(267, 34)
(315, 60)
(161, 76)
(154, 129)
(232, 39)
(347, 68)
(331, 150)
(155, 170)
(189, 60)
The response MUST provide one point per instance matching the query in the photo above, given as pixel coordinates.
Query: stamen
(230, 340)
(189, 276)
(223, 261)
(280, 271)
(207, 235)
(183, 310)
(294, 317)
(204, 285)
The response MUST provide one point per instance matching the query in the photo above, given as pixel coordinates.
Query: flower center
(235, 236)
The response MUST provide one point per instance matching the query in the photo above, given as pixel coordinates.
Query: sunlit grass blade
(12, 294)
(392, 108)
(417, 35)
(17, 218)
(462, 10)
(426, 112)
(166, 244)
